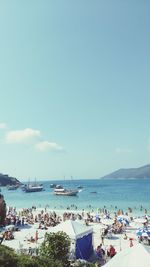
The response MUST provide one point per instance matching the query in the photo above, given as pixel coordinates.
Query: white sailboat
(33, 187)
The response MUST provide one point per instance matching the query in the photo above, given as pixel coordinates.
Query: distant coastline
(131, 173)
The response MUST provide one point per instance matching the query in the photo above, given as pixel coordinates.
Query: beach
(31, 231)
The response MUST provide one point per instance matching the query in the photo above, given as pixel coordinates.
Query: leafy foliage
(27, 261)
(56, 247)
(8, 258)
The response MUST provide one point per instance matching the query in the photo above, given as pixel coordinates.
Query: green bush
(55, 247)
(27, 261)
(8, 257)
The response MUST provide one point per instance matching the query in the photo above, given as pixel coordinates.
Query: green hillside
(138, 173)
(7, 180)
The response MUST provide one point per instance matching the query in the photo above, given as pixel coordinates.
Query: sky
(74, 87)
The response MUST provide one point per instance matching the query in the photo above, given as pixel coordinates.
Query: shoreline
(100, 211)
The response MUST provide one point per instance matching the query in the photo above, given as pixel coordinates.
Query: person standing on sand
(36, 236)
(131, 243)
(125, 236)
(102, 237)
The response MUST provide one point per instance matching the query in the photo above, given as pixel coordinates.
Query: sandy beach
(31, 230)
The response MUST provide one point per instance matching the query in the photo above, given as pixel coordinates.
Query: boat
(80, 187)
(65, 192)
(33, 187)
(61, 191)
(58, 189)
(53, 185)
(12, 187)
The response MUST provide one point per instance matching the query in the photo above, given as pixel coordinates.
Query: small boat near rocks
(12, 187)
(33, 187)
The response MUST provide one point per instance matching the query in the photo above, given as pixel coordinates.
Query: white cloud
(119, 150)
(22, 136)
(3, 125)
(45, 146)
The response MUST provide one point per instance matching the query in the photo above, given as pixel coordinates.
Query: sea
(95, 194)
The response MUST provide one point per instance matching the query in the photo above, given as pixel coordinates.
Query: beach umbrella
(125, 217)
(122, 220)
(143, 232)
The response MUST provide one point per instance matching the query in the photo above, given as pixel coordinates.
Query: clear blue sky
(74, 87)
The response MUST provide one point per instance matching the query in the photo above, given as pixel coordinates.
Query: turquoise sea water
(109, 193)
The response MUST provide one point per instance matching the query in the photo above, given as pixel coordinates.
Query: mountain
(7, 180)
(137, 173)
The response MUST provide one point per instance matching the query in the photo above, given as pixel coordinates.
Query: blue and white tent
(123, 220)
(143, 232)
(81, 236)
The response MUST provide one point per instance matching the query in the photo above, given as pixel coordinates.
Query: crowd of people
(43, 218)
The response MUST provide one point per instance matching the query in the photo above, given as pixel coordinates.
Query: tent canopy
(81, 234)
(73, 229)
(136, 256)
